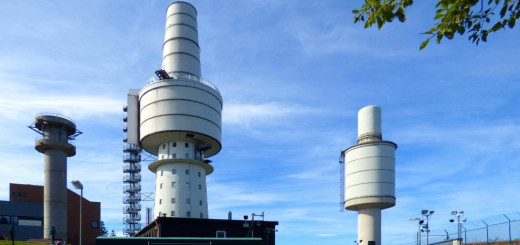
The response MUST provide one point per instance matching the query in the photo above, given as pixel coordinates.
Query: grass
(20, 243)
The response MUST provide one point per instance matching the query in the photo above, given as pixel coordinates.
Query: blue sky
(293, 75)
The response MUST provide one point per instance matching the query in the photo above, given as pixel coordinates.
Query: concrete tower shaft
(56, 132)
(181, 52)
(370, 175)
(180, 120)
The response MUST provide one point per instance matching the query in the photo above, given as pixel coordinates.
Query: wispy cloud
(271, 113)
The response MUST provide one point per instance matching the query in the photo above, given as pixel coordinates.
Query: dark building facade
(25, 217)
(25, 212)
(188, 227)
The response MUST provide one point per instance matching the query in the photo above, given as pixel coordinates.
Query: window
(164, 146)
(201, 215)
(221, 234)
(161, 172)
(173, 200)
(200, 187)
(187, 155)
(174, 155)
(162, 157)
(186, 145)
(174, 144)
(199, 173)
(188, 201)
(5, 219)
(200, 202)
(188, 214)
(173, 214)
(187, 184)
(160, 186)
(187, 172)
(19, 194)
(160, 201)
(174, 184)
(94, 224)
(174, 171)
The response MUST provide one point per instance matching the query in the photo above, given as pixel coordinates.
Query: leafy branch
(476, 18)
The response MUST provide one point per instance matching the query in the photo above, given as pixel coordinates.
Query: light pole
(420, 221)
(427, 213)
(79, 186)
(458, 214)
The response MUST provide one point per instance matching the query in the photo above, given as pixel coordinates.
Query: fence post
(509, 221)
(487, 232)
(465, 237)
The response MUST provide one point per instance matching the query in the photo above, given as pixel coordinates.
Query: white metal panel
(132, 123)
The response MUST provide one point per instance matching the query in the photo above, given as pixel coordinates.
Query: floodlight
(431, 212)
(77, 184)
(452, 220)
(453, 212)
(424, 211)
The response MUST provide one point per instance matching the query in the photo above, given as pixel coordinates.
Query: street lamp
(458, 214)
(427, 213)
(79, 186)
(419, 232)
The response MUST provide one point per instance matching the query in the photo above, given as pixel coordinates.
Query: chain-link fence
(504, 228)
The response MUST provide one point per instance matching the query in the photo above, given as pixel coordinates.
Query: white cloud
(327, 235)
(263, 114)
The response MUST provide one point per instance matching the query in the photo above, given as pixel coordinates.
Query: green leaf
(503, 11)
(424, 44)
(511, 23)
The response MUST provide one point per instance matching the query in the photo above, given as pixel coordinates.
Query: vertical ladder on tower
(342, 181)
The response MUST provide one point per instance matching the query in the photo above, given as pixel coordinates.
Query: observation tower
(369, 175)
(56, 131)
(180, 120)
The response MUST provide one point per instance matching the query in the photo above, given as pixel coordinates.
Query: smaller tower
(56, 131)
(369, 175)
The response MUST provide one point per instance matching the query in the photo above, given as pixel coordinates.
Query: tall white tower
(369, 175)
(180, 120)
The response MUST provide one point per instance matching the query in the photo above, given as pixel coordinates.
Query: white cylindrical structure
(180, 121)
(370, 175)
(369, 225)
(54, 145)
(181, 52)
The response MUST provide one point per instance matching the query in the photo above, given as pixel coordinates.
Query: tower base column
(369, 226)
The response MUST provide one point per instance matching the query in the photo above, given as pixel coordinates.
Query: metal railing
(183, 76)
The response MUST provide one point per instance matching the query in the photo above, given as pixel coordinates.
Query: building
(186, 227)
(24, 211)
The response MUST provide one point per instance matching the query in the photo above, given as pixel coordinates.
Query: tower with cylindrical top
(56, 131)
(369, 175)
(180, 120)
